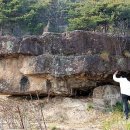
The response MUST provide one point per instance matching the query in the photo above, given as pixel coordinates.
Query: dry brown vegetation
(28, 114)
(21, 114)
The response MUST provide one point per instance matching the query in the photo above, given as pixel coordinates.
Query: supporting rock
(106, 96)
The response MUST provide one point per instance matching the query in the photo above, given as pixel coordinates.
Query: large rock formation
(68, 64)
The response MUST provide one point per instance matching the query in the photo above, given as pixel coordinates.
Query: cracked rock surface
(65, 64)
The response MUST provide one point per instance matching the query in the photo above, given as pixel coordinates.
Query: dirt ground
(57, 113)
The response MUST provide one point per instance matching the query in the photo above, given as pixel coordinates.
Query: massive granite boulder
(67, 64)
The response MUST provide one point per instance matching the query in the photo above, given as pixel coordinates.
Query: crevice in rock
(24, 83)
(81, 92)
(104, 83)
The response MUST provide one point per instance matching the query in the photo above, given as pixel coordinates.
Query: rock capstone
(67, 64)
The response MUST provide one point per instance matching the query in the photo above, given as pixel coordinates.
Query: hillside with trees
(33, 17)
(102, 16)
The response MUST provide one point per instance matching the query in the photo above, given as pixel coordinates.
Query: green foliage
(102, 16)
(23, 13)
(54, 128)
(118, 107)
(90, 106)
(32, 16)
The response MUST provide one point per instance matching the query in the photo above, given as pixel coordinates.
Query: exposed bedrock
(66, 64)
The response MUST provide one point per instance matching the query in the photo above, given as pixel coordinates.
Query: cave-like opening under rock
(104, 83)
(24, 83)
(78, 92)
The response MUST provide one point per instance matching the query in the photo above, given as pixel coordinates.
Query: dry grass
(116, 122)
(21, 114)
(28, 115)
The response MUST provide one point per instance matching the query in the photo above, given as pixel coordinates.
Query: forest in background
(33, 17)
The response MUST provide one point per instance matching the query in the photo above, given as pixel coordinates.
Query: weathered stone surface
(106, 96)
(92, 66)
(9, 75)
(69, 43)
(11, 46)
(61, 64)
